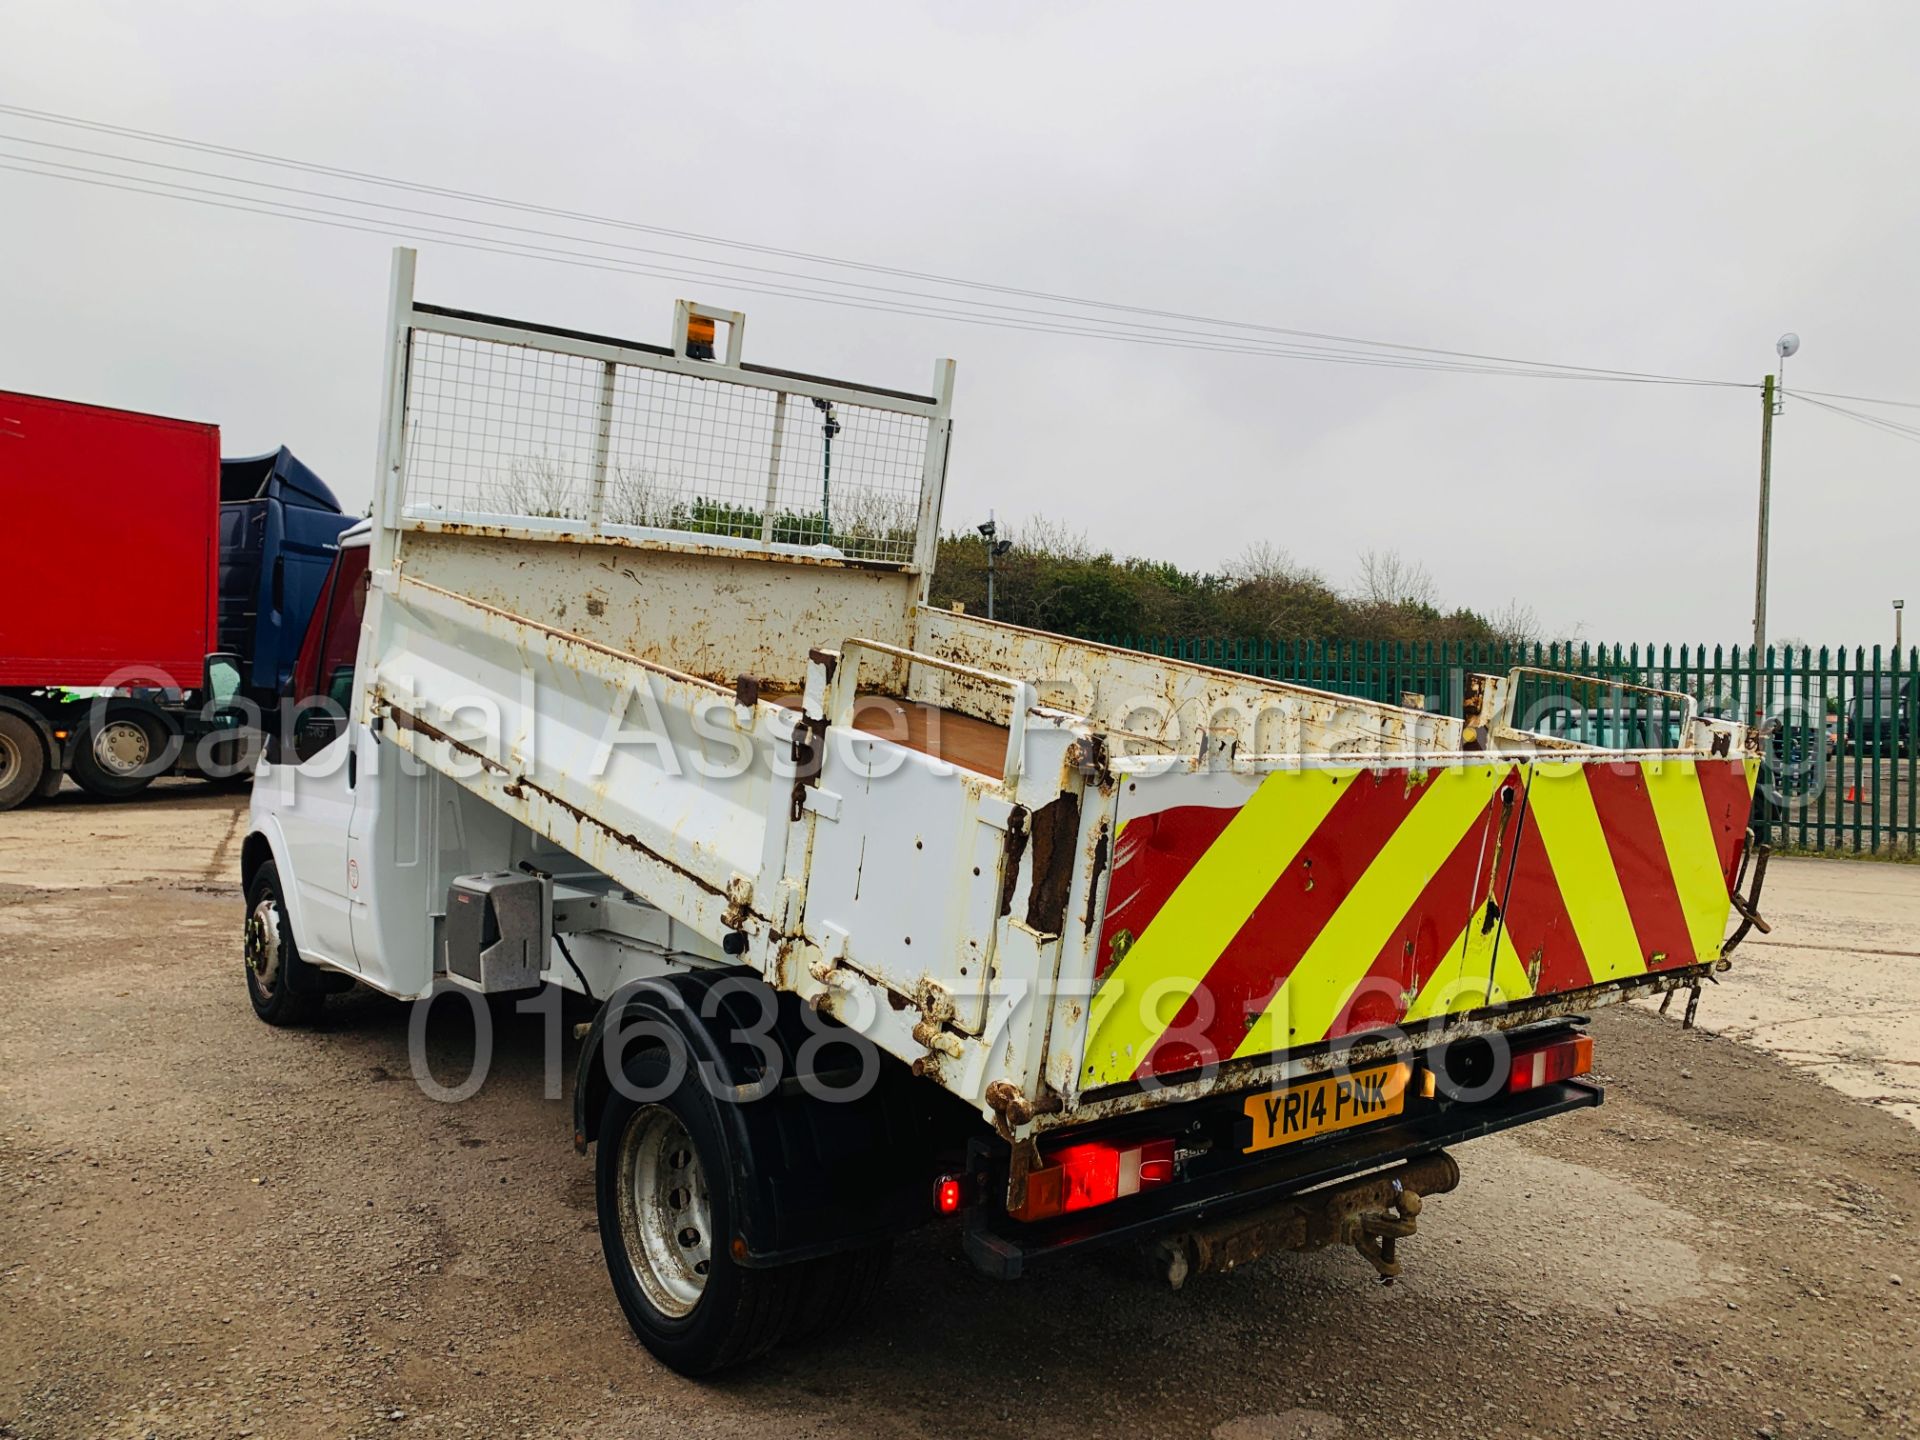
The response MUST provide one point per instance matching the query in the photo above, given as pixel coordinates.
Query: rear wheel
(666, 1225)
(120, 756)
(284, 989)
(837, 1290)
(22, 760)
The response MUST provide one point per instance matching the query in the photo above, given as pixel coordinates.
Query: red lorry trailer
(109, 583)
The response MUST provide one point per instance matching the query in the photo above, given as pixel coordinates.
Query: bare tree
(536, 485)
(1388, 578)
(1049, 537)
(1262, 560)
(1517, 623)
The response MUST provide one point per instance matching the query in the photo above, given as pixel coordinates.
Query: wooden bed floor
(960, 740)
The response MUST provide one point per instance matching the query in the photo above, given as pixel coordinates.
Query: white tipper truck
(892, 916)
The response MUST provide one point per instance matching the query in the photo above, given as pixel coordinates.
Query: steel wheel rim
(10, 760)
(666, 1216)
(121, 747)
(263, 944)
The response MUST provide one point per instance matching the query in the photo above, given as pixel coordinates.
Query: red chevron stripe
(1266, 948)
(1640, 860)
(1457, 892)
(1536, 923)
(1152, 856)
(1723, 784)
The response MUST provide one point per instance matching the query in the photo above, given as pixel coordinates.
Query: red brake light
(946, 1195)
(1078, 1177)
(1545, 1064)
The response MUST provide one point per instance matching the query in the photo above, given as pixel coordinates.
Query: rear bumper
(1005, 1248)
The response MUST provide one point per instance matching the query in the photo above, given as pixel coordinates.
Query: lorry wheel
(283, 988)
(22, 761)
(119, 757)
(665, 1223)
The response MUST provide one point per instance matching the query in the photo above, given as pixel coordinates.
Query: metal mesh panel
(509, 430)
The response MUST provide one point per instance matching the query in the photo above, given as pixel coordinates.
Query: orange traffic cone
(1853, 795)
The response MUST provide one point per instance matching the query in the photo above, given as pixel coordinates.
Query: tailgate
(1252, 913)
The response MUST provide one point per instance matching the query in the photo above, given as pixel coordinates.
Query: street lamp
(995, 549)
(829, 427)
(1898, 606)
(1770, 404)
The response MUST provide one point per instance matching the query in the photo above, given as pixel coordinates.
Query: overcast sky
(1650, 187)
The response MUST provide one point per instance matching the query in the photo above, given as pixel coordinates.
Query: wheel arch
(825, 1175)
(264, 843)
(256, 850)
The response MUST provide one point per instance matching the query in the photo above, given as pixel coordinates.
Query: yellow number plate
(1319, 1106)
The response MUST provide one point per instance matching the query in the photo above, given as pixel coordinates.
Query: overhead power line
(1861, 399)
(724, 271)
(475, 232)
(472, 240)
(1910, 433)
(492, 245)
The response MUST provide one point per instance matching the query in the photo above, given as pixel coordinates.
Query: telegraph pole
(1766, 501)
(1770, 395)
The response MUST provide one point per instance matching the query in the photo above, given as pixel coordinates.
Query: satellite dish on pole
(1786, 344)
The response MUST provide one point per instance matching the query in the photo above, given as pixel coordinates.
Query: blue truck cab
(279, 528)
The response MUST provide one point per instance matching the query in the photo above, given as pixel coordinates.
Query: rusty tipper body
(891, 915)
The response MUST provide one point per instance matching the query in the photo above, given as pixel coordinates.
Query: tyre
(666, 1221)
(284, 989)
(837, 1290)
(23, 761)
(120, 756)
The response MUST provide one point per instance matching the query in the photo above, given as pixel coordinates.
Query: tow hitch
(1746, 904)
(1372, 1215)
(1746, 899)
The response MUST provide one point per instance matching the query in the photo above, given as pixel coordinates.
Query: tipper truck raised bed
(891, 915)
(152, 597)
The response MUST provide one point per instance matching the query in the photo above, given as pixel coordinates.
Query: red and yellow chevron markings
(1333, 901)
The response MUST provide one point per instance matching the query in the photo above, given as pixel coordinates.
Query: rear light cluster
(1559, 1060)
(1079, 1177)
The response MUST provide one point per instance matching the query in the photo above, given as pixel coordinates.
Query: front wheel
(284, 989)
(666, 1226)
(120, 756)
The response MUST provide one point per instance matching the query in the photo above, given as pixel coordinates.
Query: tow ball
(1377, 1235)
(1371, 1215)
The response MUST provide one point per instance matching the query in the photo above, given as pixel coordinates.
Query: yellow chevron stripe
(1460, 981)
(1680, 810)
(1312, 996)
(1510, 980)
(1166, 963)
(1561, 805)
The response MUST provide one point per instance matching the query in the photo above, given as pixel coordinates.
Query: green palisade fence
(1839, 772)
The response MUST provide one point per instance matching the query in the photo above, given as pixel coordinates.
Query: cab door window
(323, 676)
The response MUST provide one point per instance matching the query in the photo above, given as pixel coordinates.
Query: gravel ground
(209, 1228)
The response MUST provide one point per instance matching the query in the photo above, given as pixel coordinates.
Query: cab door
(318, 771)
